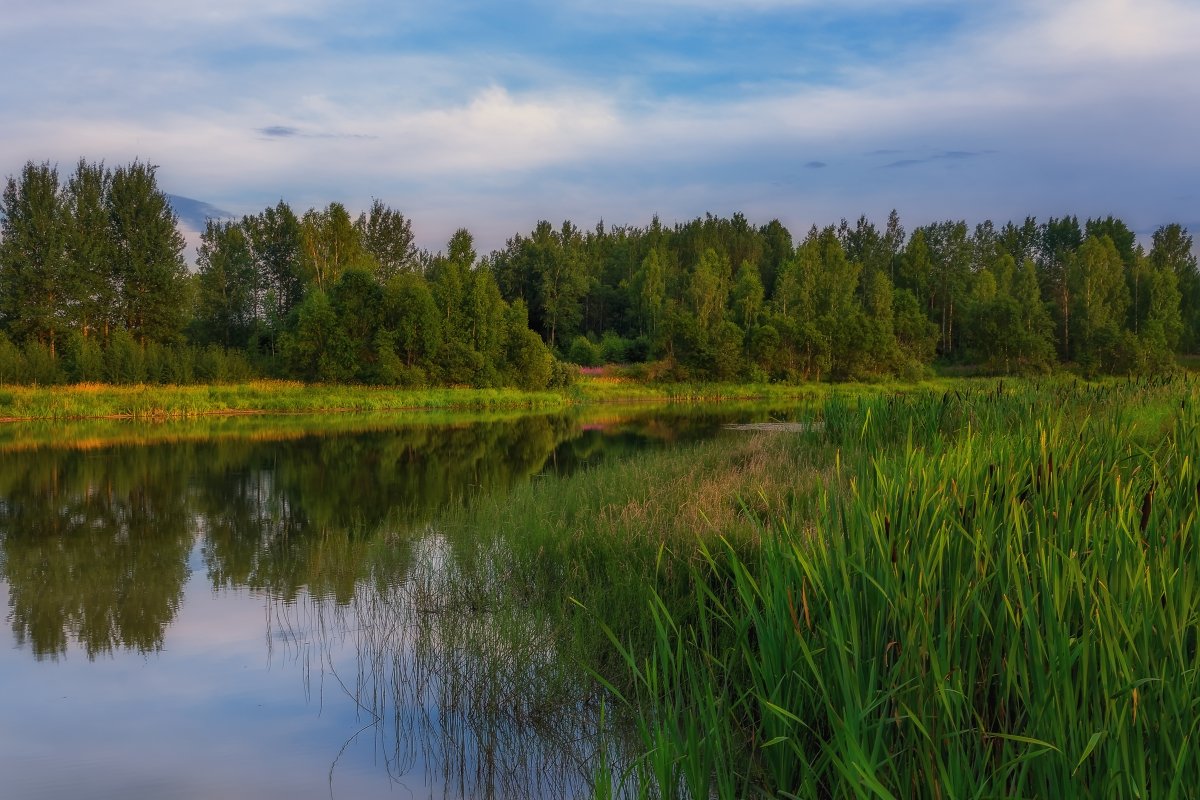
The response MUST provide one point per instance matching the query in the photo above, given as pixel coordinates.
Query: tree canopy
(93, 286)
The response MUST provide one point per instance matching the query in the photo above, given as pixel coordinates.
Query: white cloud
(1074, 100)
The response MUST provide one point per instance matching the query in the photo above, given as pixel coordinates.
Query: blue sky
(495, 115)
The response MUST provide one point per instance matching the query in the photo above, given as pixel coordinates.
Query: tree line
(93, 286)
(721, 298)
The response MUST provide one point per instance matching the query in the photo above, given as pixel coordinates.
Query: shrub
(583, 352)
(123, 359)
(614, 349)
(12, 365)
(41, 367)
(82, 358)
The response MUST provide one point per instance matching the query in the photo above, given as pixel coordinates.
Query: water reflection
(94, 549)
(464, 692)
(103, 546)
(94, 544)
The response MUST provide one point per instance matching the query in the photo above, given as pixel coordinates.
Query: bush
(166, 364)
(583, 352)
(41, 367)
(614, 349)
(639, 350)
(124, 361)
(211, 366)
(530, 365)
(563, 374)
(82, 359)
(12, 365)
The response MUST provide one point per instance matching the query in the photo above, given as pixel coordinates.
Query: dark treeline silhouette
(93, 287)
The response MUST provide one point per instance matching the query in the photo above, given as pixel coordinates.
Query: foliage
(712, 298)
(983, 592)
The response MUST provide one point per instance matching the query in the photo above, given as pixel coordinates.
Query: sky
(492, 116)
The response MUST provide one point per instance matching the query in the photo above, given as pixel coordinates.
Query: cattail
(804, 602)
(1146, 508)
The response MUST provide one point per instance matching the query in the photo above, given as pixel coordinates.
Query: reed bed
(996, 595)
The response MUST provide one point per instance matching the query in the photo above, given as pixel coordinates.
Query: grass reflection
(454, 683)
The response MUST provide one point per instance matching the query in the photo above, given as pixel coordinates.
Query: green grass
(609, 535)
(999, 596)
(92, 401)
(985, 590)
(150, 402)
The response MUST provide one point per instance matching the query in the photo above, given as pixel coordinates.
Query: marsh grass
(998, 596)
(596, 544)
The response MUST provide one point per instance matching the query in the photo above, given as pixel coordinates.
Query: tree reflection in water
(94, 544)
(339, 535)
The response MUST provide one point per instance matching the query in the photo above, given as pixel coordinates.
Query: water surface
(258, 608)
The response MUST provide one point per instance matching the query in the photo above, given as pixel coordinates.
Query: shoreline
(156, 403)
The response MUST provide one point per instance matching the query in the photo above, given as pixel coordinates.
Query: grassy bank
(84, 401)
(93, 401)
(986, 592)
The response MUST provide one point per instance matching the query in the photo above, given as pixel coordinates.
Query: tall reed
(998, 595)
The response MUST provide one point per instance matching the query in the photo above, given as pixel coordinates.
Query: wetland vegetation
(969, 593)
(983, 589)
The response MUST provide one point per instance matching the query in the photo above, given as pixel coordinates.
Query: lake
(264, 607)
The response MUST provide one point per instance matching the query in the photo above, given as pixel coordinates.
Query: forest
(94, 287)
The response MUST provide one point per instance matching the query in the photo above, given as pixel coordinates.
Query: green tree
(747, 296)
(33, 262)
(457, 362)
(561, 278)
(650, 292)
(1162, 327)
(1035, 347)
(331, 245)
(1020, 241)
(485, 313)
(278, 247)
(951, 252)
(708, 289)
(412, 314)
(387, 236)
(315, 347)
(1060, 238)
(1171, 249)
(777, 250)
(226, 305)
(529, 363)
(916, 336)
(147, 251)
(358, 304)
(450, 275)
(915, 271)
(1099, 300)
(881, 348)
(91, 279)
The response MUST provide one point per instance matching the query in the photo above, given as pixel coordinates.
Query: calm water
(259, 609)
